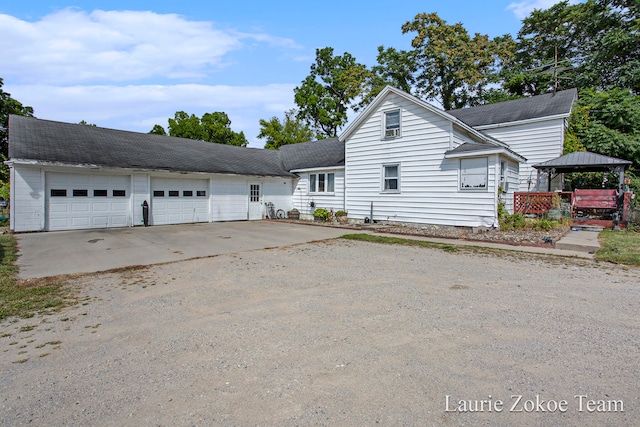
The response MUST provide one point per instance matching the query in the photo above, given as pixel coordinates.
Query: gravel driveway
(334, 333)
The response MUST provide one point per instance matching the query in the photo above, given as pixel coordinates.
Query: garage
(179, 201)
(80, 201)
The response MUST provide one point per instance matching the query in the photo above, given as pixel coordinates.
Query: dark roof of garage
(315, 154)
(50, 141)
(549, 104)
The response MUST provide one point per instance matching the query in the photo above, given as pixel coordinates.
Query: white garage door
(179, 201)
(79, 201)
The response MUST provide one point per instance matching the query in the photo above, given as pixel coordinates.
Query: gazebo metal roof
(582, 161)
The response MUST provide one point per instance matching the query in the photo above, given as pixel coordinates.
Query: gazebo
(584, 161)
(609, 204)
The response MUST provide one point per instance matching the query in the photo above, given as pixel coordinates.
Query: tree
(85, 123)
(329, 91)
(608, 122)
(212, 127)
(453, 67)
(590, 44)
(8, 105)
(395, 68)
(289, 131)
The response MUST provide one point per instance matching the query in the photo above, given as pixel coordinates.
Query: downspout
(496, 191)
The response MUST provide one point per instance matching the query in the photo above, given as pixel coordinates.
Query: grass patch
(24, 299)
(400, 241)
(620, 247)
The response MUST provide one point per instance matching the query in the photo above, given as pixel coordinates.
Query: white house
(400, 160)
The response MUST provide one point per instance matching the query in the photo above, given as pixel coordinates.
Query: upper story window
(392, 124)
(321, 182)
(473, 174)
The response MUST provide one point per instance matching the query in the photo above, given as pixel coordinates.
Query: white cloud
(73, 46)
(138, 108)
(522, 9)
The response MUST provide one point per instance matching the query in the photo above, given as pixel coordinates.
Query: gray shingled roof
(549, 104)
(49, 141)
(583, 161)
(470, 148)
(315, 154)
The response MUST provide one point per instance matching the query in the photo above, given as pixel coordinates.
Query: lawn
(22, 299)
(620, 247)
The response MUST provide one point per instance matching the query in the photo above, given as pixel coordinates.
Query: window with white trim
(391, 178)
(474, 174)
(392, 124)
(322, 182)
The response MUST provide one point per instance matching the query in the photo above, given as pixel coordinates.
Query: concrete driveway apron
(86, 251)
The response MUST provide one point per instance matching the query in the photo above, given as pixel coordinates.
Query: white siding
(27, 198)
(333, 201)
(140, 192)
(230, 200)
(278, 191)
(429, 183)
(536, 141)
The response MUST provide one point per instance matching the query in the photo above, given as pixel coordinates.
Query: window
(503, 171)
(58, 193)
(99, 193)
(391, 178)
(158, 193)
(201, 193)
(322, 182)
(187, 193)
(80, 193)
(392, 124)
(174, 193)
(255, 192)
(119, 193)
(473, 174)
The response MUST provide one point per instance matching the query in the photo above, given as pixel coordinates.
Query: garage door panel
(181, 203)
(95, 208)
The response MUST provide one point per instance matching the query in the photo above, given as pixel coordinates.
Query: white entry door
(255, 201)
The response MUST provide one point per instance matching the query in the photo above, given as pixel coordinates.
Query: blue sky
(129, 65)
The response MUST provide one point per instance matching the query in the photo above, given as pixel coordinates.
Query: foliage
(83, 122)
(395, 68)
(212, 127)
(158, 130)
(331, 88)
(20, 300)
(452, 66)
(289, 131)
(8, 106)
(607, 122)
(341, 213)
(588, 44)
(620, 247)
(322, 213)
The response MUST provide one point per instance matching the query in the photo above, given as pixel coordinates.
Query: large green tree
(607, 122)
(288, 131)
(211, 127)
(8, 105)
(589, 44)
(332, 87)
(451, 66)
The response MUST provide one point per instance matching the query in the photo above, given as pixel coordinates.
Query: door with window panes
(255, 201)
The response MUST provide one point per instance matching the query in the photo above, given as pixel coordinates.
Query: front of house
(401, 160)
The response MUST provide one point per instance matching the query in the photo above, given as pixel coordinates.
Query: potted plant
(321, 215)
(341, 216)
(293, 214)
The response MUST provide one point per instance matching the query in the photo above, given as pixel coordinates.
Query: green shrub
(322, 213)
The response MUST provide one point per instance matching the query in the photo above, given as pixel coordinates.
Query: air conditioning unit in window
(390, 133)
